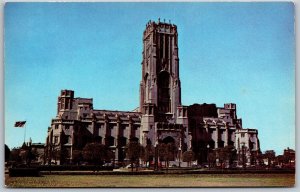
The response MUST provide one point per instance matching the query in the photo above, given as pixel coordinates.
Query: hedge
(74, 168)
(24, 172)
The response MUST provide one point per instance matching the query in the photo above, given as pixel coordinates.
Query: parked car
(129, 165)
(197, 166)
(107, 165)
(152, 164)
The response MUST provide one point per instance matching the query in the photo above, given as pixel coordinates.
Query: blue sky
(229, 52)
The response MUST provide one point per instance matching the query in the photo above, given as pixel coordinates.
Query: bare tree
(77, 156)
(96, 153)
(171, 152)
(148, 153)
(270, 156)
(15, 156)
(162, 152)
(134, 151)
(289, 157)
(26, 154)
(188, 157)
(226, 155)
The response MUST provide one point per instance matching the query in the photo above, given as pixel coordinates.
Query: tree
(26, 154)
(270, 156)
(55, 153)
(188, 157)
(15, 156)
(134, 151)
(149, 153)
(162, 152)
(171, 152)
(220, 156)
(243, 156)
(64, 154)
(35, 154)
(7, 152)
(211, 159)
(96, 153)
(280, 160)
(226, 155)
(260, 159)
(289, 157)
(77, 156)
(254, 157)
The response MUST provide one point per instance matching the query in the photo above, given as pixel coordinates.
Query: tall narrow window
(167, 47)
(164, 92)
(55, 139)
(161, 45)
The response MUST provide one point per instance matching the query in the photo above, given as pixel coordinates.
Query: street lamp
(208, 155)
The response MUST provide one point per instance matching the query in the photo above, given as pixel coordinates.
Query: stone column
(117, 138)
(130, 128)
(118, 129)
(226, 135)
(247, 135)
(94, 123)
(72, 143)
(256, 143)
(217, 137)
(106, 127)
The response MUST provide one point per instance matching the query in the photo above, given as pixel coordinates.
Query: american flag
(20, 123)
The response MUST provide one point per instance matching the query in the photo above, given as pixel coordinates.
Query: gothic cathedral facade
(160, 117)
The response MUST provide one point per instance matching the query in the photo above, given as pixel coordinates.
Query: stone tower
(160, 83)
(160, 92)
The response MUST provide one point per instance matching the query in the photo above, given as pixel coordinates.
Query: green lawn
(184, 180)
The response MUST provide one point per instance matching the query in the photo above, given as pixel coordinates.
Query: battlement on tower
(159, 27)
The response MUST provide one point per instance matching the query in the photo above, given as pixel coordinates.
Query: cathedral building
(160, 117)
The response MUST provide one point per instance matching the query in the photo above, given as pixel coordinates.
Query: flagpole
(25, 133)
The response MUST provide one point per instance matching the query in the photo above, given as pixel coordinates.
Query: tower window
(55, 139)
(167, 46)
(161, 46)
(67, 104)
(164, 92)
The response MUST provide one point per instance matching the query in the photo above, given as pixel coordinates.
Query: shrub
(24, 172)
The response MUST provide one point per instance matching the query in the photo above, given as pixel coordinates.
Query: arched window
(172, 149)
(146, 83)
(168, 139)
(164, 92)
